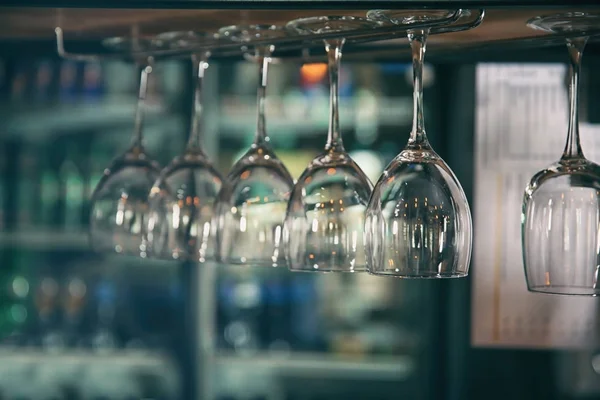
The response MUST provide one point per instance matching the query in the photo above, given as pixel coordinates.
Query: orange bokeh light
(313, 73)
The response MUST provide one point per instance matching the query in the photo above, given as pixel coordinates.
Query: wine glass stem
(418, 40)
(263, 68)
(200, 65)
(141, 105)
(573, 145)
(334, 56)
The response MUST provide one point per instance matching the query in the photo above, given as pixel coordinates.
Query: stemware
(254, 196)
(119, 204)
(183, 198)
(561, 209)
(325, 215)
(418, 222)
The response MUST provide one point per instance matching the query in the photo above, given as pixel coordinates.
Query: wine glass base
(565, 290)
(424, 275)
(254, 263)
(407, 17)
(329, 24)
(182, 257)
(185, 39)
(132, 44)
(325, 270)
(582, 23)
(250, 33)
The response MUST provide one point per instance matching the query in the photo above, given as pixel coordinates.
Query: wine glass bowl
(120, 204)
(561, 229)
(182, 203)
(254, 196)
(418, 220)
(326, 213)
(325, 218)
(560, 219)
(182, 223)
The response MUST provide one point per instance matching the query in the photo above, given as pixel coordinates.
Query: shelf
(116, 358)
(33, 373)
(111, 113)
(323, 366)
(40, 239)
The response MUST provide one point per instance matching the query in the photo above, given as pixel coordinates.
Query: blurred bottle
(93, 82)
(3, 81)
(50, 186)
(314, 82)
(28, 191)
(42, 90)
(68, 82)
(19, 85)
(72, 190)
(242, 304)
(48, 336)
(105, 296)
(84, 145)
(346, 85)
(3, 186)
(15, 301)
(3, 149)
(304, 314)
(74, 299)
(277, 313)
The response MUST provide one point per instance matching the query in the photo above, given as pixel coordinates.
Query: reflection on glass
(120, 201)
(418, 220)
(561, 206)
(325, 217)
(253, 199)
(182, 201)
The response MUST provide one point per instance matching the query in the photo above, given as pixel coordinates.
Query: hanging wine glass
(254, 196)
(325, 215)
(418, 222)
(119, 204)
(561, 209)
(183, 199)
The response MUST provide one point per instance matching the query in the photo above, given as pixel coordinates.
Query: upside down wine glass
(253, 199)
(418, 222)
(119, 204)
(183, 199)
(561, 205)
(325, 215)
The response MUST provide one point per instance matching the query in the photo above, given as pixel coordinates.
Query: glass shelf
(394, 368)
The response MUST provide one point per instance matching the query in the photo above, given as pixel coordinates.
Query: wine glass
(561, 209)
(119, 204)
(325, 215)
(418, 222)
(255, 194)
(183, 199)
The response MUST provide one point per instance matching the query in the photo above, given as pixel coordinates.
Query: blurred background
(77, 325)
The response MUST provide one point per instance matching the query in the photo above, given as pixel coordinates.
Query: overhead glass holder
(459, 20)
